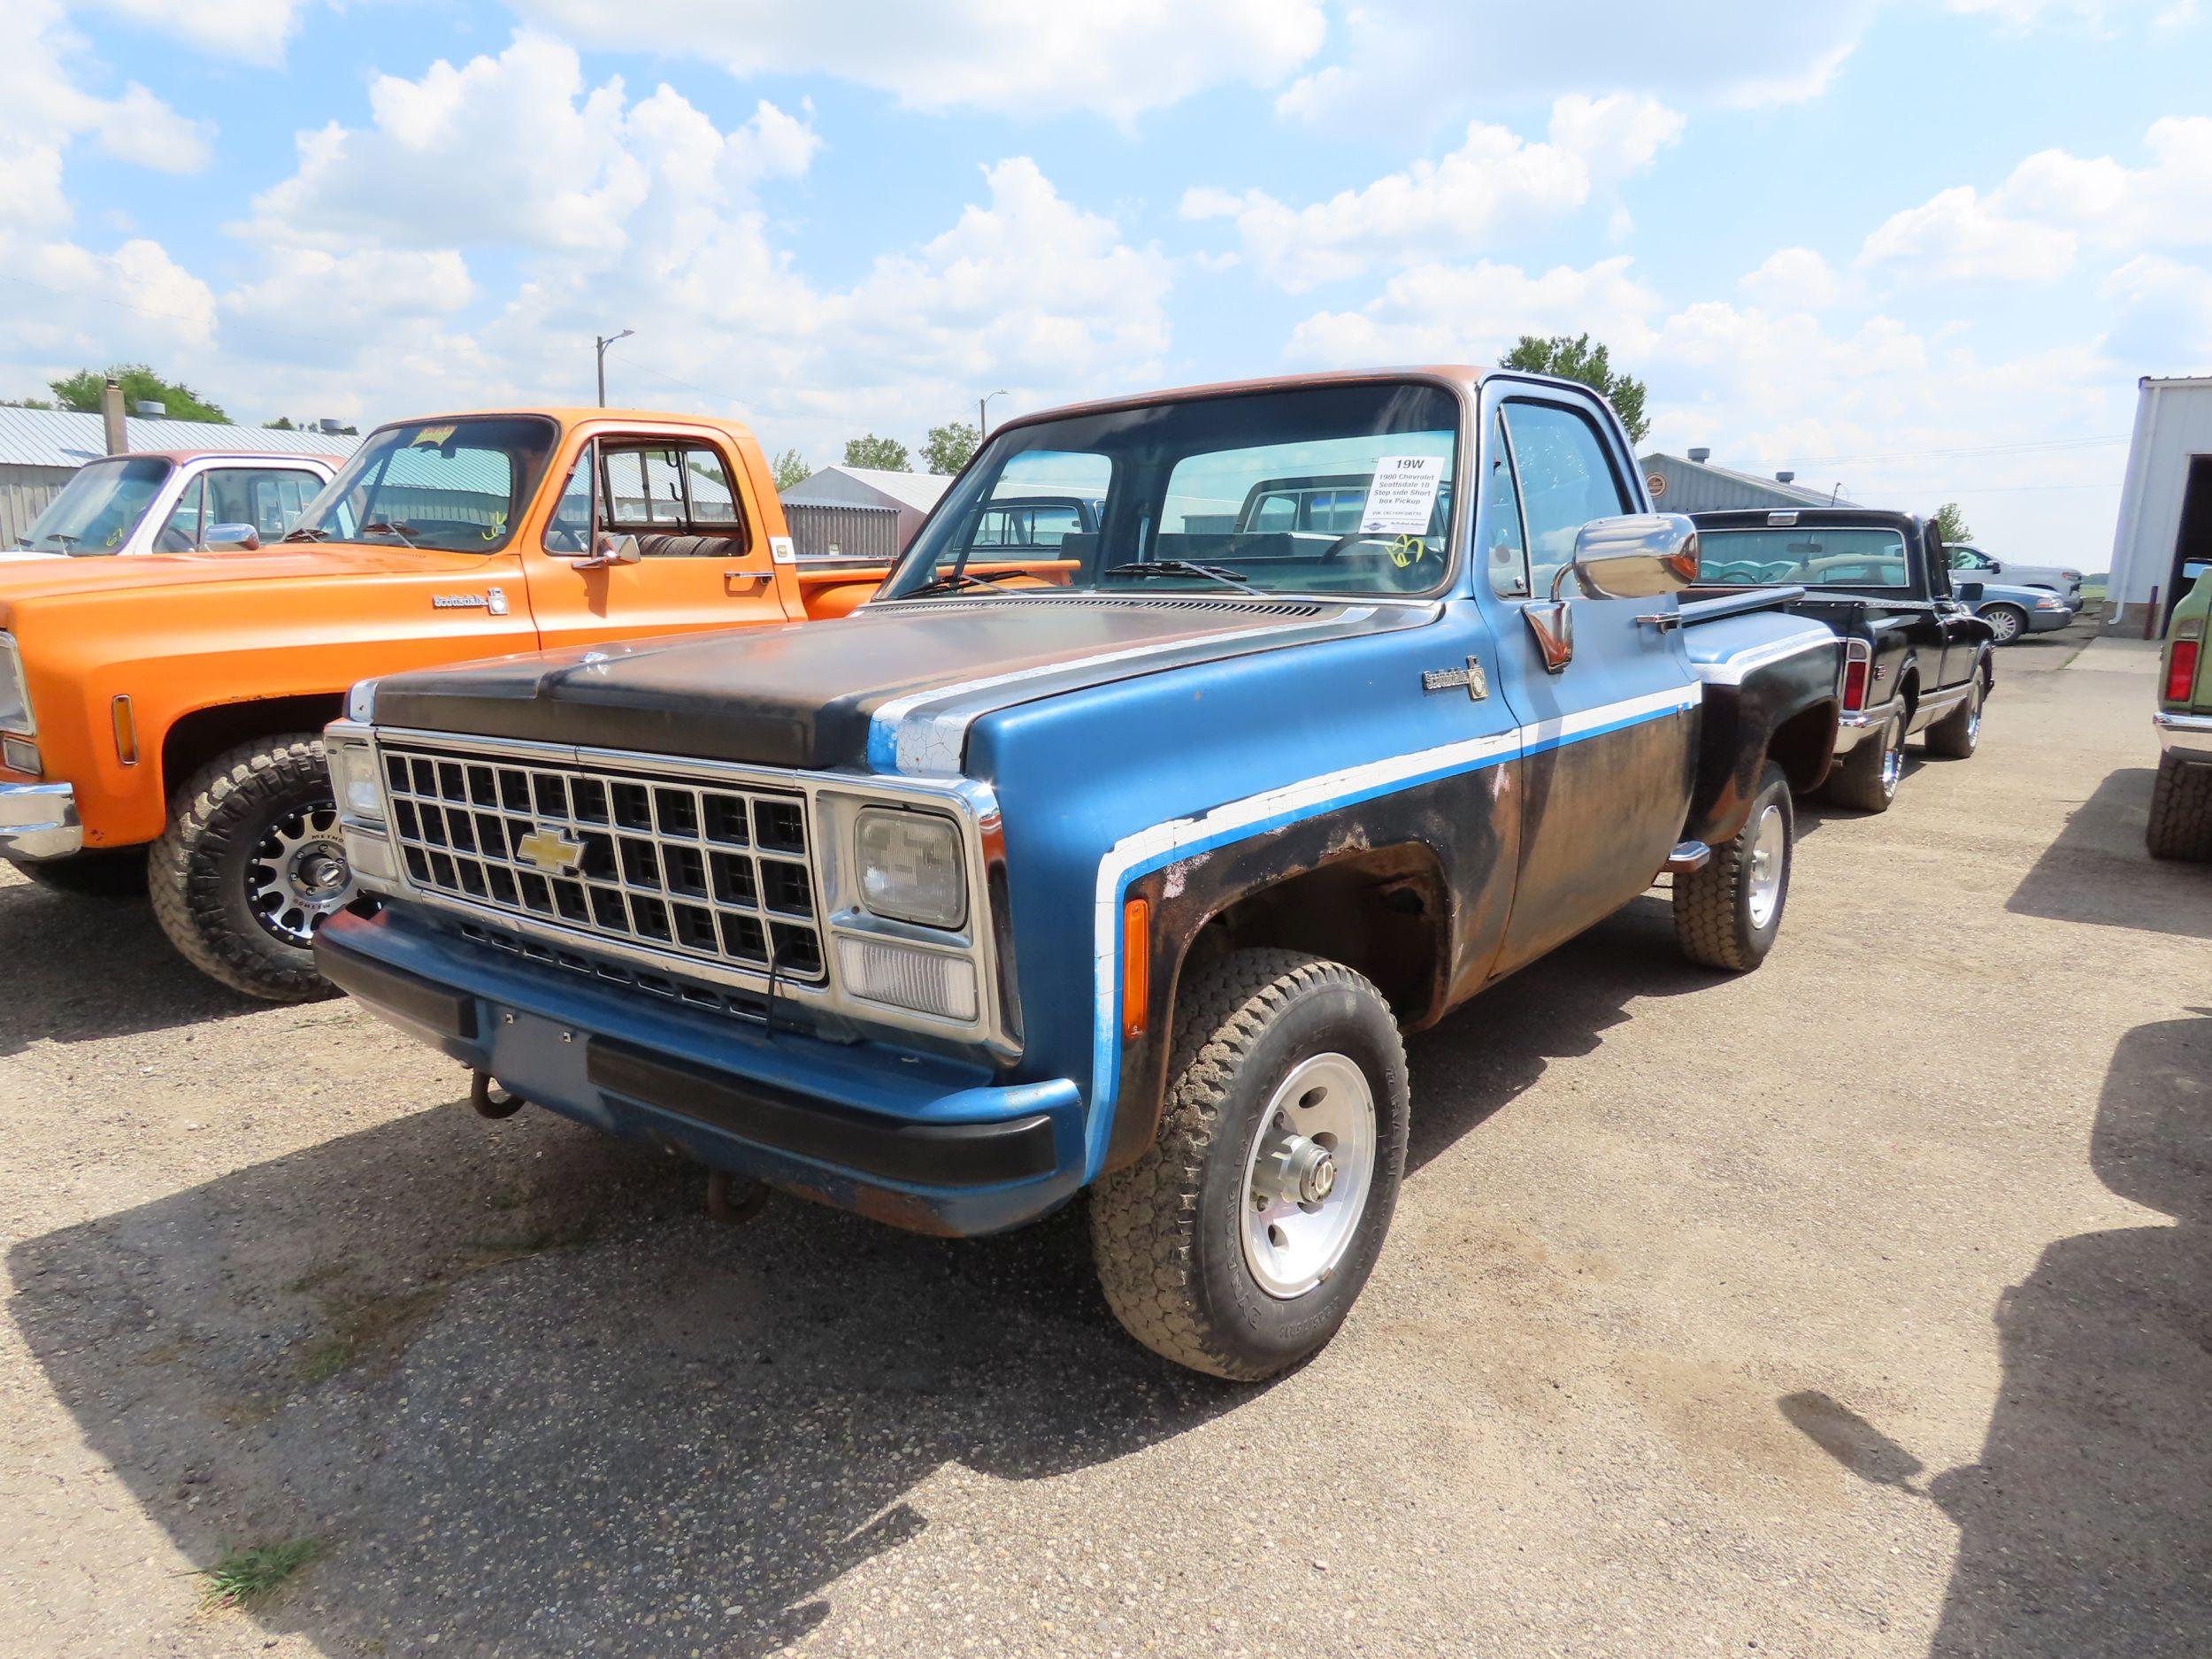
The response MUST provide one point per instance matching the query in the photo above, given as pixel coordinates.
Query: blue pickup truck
(1123, 870)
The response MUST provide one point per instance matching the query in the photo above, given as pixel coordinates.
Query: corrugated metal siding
(61, 437)
(1694, 487)
(23, 493)
(2173, 423)
(853, 531)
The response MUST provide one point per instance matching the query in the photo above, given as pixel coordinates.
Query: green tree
(791, 468)
(1949, 524)
(1578, 359)
(81, 391)
(885, 454)
(24, 402)
(948, 448)
(282, 423)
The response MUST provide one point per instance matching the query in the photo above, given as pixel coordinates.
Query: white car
(1977, 566)
(174, 500)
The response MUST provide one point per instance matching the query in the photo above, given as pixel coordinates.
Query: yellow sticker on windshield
(498, 527)
(430, 434)
(1407, 549)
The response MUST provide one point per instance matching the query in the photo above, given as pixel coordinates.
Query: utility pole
(604, 341)
(982, 417)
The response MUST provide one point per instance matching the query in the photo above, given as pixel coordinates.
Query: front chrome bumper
(39, 820)
(2185, 736)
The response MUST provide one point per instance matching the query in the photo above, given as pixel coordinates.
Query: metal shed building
(1696, 485)
(910, 495)
(2165, 503)
(41, 450)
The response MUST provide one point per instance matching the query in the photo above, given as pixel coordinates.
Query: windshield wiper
(957, 580)
(381, 528)
(307, 533)
(1181, 567)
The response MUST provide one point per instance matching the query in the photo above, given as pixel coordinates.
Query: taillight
(1854, 672)
(2181, 670)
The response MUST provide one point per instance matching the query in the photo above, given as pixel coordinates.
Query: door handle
(735, 581)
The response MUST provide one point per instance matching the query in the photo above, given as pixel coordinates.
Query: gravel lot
(1862, 1306)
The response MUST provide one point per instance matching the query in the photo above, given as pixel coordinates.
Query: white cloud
(1794, 279)
(1116, 58)
(2163, 315)
(253, 31)
(1459, 313)
(1957, 235)
(1495, 183)
(515, 149)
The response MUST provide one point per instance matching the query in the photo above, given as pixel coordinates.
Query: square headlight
(353, 778)
(909, 867)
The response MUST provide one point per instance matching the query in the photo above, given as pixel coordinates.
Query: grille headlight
(353, 775)
(909, 868)
(922, 980)
(15, 693)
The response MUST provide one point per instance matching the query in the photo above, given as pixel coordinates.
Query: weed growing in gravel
(247, 1577)
(365, 1325)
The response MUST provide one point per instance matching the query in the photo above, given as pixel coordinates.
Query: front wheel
(1727, 914)
(1238, 1243)
(2008, 622)
(252, 862)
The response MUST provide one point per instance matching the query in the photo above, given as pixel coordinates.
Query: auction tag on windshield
(1402, 494)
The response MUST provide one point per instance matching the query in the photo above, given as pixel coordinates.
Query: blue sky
(1918, 251)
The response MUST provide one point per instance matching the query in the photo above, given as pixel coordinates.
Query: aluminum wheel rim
(1306, 1175)
(1892, 757)
(297, 873)
(1974, 717)
(2007, 626)
(1769, 851)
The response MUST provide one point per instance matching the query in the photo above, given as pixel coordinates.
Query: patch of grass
(490, 1252)
(363, 1326)
(248, 1577)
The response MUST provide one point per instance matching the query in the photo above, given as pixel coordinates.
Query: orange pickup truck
(174, 703)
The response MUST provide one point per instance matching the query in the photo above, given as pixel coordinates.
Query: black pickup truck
(1915, 658)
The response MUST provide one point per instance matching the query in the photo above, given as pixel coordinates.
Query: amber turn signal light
(1136, 966)
(125, 730)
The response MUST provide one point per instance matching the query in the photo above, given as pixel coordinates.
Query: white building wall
(2173, 423)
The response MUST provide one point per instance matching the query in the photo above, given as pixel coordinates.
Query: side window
(268, 498)
(1505, 552)
(182, 534)
(568, 532)
(1275, 513)
(677, 499)
(1565, 481)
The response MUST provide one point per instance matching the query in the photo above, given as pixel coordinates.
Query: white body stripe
(1733, 669)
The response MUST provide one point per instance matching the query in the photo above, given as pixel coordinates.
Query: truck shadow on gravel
(529, 1398)
(2098, 869)
(2085, 1527)
(103, 968)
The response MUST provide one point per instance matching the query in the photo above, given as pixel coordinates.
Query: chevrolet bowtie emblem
(550, 851)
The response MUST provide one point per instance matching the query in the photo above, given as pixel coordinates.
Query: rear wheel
(252, 862)
(102, 875)
(1867, 777)
(1238, 1243)
(1957, 733)
(2008, 622)
(2181, 813)
(1728, 914)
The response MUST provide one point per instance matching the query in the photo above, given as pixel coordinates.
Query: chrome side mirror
(231, 538)
(1641, 555)
(613, 549)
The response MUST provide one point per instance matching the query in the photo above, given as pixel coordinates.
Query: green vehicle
(2181, 802)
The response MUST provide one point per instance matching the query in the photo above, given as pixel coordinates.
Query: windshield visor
(1330, 489)
(98, 509)
(458, 486)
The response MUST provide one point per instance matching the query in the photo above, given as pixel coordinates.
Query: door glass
(1566, 482)
(712, 501)
(568, 532)
(1505, 554)
(677, 499)
(267, 498)
(182, 534)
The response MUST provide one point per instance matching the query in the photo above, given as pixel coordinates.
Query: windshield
(98, 509)
(1795, 555)
(458, 486)
(1327, 489)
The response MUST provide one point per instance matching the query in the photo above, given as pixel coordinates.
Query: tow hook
(734, 1200)
(491, 1098)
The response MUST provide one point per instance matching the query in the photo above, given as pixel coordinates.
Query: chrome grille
(710, 873)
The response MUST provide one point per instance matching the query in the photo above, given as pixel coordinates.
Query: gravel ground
(1856, 1307)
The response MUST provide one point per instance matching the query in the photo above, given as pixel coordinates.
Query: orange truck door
(705, 562)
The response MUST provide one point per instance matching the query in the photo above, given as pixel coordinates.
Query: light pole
(604, 341)
(982, 417)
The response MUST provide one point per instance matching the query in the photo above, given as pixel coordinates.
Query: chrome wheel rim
(1306, 1175)
(1892, 757)
(297, 873)
(1974, 716)
(1769, 851)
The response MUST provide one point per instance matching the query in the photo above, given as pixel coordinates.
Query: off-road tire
(102, 875)
(2009, 623)
(2181, 813)
(1858, 780)
(1713, 923)
(1957, 734)
(197, 868)
(1166, 1232)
